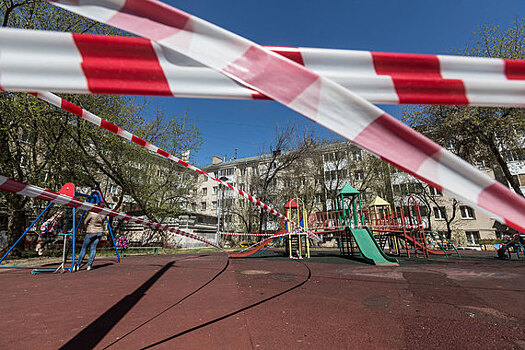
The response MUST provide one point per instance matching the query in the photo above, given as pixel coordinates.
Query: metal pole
(113, 239)
(23, 234)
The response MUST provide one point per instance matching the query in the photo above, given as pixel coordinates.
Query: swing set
(68, 190)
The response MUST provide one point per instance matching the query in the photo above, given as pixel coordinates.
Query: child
(507, 242)
(48, 231)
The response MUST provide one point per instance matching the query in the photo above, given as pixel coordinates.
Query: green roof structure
(347, 189)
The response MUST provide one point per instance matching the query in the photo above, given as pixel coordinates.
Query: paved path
(204, 301)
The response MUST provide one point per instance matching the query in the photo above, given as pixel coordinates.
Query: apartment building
(321, 174)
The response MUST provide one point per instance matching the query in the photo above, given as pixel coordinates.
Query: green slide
(369, 248)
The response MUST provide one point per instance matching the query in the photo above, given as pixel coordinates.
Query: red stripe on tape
(514, 69)
(131, 65)
(398, 64)
(68, 106)
(497, 195)
(109, 126)
(394, 140)
(12, 186)
(157, 20)
(292, 53)
(269, 73)
(138, 141)
(430, 91)
(163, 153)
(417, 79)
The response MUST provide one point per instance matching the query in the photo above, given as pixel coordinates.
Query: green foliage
(480, 135)
(47, 146)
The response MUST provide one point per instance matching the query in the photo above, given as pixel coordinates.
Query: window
(243, 171)
(330, 175)
(438, 214)
(467, 212)
(359, 175)
(329, 157)
(522, 179)
(215, 190)
(357, 155)
(214, 205)
(318, 198)
(242, 187)
(435, 191)
(472, 237)
(194, 206)
(226, 172)
(341, 155)
(203, 205)
(204, 191)
(113, 189)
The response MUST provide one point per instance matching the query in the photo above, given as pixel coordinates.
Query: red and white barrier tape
(32, 191)
(94, 119)
(244, 234)
(103, 64)
(314, 96)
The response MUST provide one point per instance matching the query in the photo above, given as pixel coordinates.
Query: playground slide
(420, 246)
(255, 249)
(369, 248)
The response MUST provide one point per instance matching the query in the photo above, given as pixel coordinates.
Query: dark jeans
(90, 239)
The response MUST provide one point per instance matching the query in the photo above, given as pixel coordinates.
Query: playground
(206, 300)
(355, 276)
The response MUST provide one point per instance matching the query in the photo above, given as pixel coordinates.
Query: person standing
(94, 232)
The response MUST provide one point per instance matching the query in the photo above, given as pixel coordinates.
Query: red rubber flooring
(201, 301)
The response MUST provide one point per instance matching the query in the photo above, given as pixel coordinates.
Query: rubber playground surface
(205, 301)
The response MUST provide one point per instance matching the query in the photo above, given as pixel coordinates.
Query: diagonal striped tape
(310, 94)
(94, 119)
(23, 189)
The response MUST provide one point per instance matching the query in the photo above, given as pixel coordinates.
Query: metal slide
(370, 249)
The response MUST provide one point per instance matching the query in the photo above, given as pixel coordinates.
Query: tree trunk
(16, 222)
(504, 167)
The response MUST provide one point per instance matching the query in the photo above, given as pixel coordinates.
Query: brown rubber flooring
(205, 301)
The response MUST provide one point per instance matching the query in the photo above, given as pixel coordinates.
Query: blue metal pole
(73, 240)
(23, 234)
(29, 267)
(113, 239)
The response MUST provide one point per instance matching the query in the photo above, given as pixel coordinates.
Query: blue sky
(432, 27)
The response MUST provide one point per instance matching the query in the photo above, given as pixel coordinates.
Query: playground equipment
(297, 244)
(67, 190)
(260, 247)
(392, 230)
(391, 227)
(356, 237)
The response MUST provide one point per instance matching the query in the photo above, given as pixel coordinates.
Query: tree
(47, 146)
(480, 135)
(287, 149)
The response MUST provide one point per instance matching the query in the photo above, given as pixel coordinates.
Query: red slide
(255, 249)
(420, 246)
